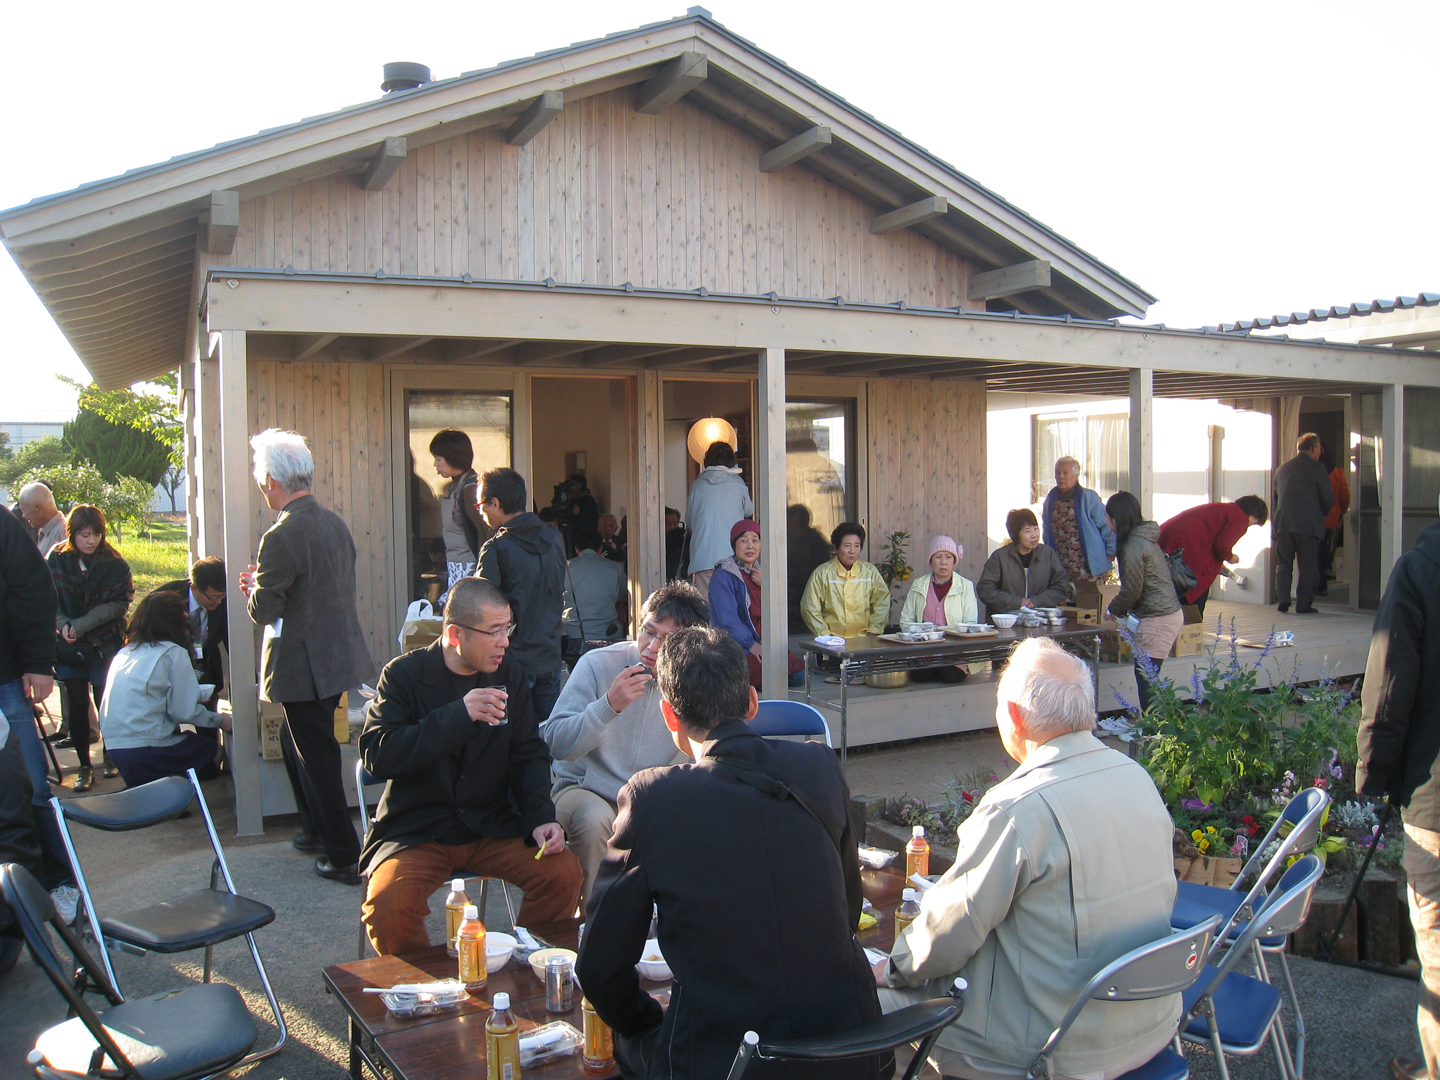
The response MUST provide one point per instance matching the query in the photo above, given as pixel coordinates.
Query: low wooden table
(451, 1046)
(869, 655)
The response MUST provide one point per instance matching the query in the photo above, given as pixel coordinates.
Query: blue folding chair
(783, 717)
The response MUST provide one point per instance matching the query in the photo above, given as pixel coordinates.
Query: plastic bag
(420, 622)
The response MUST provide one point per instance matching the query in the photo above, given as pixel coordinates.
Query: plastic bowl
(1004, 622)
(498, 950)
(539, 956)
(654, 970)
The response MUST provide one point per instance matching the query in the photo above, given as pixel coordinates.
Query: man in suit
(467, 791)
(1303, 496)
(204, 594)
(750, 857)
(302, 591)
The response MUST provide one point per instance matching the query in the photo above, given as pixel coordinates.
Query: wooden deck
(1334, 641)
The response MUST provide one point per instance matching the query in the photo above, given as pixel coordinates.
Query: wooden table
(452, 1045)
(869, 655)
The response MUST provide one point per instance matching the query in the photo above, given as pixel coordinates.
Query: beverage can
(559, 984)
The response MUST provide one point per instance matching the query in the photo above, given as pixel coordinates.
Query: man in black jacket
(204, 593)
(1303, 496)
(467, 791)
(526, 561)
(1399, 742)
(749, 855)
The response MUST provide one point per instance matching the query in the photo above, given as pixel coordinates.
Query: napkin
(830, 641)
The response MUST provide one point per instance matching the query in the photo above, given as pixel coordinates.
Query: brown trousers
(397, 899)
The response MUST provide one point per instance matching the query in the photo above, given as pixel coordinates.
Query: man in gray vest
(1303, 497)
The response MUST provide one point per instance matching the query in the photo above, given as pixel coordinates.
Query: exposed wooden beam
(813, 360)
(917, 213)
(1009, 280)
(400, 348)
(310, 344)
(389, 156)
(542, 352)
(796, 149)
(855, 363)
(221, 222)
(615, 355)
(464, 352)
(696, 357)
(532, 121)
(672, 82)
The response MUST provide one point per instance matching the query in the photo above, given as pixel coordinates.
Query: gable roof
(114, 260)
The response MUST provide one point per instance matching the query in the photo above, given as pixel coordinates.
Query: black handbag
(78, 654)
(1180, 573)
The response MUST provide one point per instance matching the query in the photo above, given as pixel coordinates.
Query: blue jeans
(55, 867)
(544, 692)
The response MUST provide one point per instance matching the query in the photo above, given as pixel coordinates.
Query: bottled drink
(470, 944)
(502, 1042)
(599, 1049)
(917, 853)
(908, 911)
(455, 905)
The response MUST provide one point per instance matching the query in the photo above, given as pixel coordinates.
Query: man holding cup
(452, 732)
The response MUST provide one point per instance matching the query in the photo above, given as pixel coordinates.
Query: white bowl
(1004, 622)
(917, 627)
(654, 970)
(498, 950)
(539, 956)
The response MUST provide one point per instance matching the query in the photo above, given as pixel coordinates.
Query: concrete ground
(1356, 1020)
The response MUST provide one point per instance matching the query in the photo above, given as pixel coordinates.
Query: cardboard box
(342, 719)
(271, 717)
(422, 633)
(1094, 596)
(1114, 649)
(1084, 616)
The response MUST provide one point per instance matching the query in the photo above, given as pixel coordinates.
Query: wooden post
(1142, 428)
(238, 488)
(1391, 467)
(648, 527)
(1351, 466)
(770, 509)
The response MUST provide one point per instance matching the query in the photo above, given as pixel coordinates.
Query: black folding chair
(201, 1031)
(199, 919)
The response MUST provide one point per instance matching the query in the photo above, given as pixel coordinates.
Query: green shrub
(123, 501)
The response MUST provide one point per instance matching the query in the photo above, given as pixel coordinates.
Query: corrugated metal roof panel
(1372, 307)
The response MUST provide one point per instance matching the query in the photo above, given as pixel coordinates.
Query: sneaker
(67, 902)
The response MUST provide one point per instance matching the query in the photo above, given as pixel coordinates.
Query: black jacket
(1303, 496)
(217, 633)
(757, 909)
(1399, 736)
(526, 562)
(446, 772)
(27, 605)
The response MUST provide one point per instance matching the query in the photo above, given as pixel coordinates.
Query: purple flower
(1195, 804)
(1197, 689)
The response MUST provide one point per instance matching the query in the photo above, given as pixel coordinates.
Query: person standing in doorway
(1334, 537)
(1075, 526)
(525, 561)
(718, 499)
(460, 522)
(1303, 496)
(302, 591)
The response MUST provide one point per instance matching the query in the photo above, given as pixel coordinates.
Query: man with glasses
(452, 732)
(205, 594)
(607, 725)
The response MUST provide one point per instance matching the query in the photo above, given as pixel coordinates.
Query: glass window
(819, 486)
(1100, 443)
(484, 416)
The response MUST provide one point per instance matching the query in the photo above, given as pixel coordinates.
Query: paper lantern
(710, 430)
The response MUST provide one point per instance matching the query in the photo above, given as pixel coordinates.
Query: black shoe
(84, 780)
(56, 736)
(1283, 607)
(306, 842)
(1322, 592)
(1404, 1067)
(66, 743)
(1305, 611)
(346, 875)
(109, 770)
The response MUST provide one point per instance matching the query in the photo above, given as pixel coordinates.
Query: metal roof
(1296, 318)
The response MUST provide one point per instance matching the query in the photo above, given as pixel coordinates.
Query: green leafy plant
(894, 567)
(125, 500)
(47, 452)
(116, 450)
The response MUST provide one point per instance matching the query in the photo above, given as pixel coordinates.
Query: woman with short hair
(846, 596)
(1206, 535)
(1147, 590)
(151, 691)
(1023, 573)
(461, 525)
(718, 498)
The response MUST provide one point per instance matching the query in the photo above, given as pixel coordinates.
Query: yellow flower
(1204, 845)
(1209, 828)
(1196, 835)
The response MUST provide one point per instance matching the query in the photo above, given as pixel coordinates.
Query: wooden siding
(927, 466)
(605, 195)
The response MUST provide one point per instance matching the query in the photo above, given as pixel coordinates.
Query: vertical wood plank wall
(927, 466)
(605, 195)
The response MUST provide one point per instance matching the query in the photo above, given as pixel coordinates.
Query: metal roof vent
(402, 76)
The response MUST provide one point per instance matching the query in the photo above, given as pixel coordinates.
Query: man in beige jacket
(1063, 867)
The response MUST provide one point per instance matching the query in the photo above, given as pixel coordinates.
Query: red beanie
(740, 528)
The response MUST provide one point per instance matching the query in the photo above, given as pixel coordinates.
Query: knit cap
(945, 543)
(740, 528)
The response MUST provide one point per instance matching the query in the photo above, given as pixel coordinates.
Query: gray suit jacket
(1303, 496)
(306, 579)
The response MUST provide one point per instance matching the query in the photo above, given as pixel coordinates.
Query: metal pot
(890, 680)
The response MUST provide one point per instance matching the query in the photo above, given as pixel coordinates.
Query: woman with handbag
(1146, 588)
(1205, 537)
(93, 588)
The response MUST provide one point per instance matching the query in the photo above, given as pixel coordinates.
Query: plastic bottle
(908, 911)
(455, 905)
(470, 944)
(502, 1042)
(598, 1051)
(917, 853)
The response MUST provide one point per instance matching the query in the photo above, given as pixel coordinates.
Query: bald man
(37, 503)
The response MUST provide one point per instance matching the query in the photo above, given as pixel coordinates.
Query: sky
(1233, 159)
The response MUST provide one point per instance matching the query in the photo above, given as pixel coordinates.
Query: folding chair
(1238, 1014)
(1167, 966)
(363, 780)
(49, 749)
(921, 1023)
(1194, 903)
(1281, 920)
(783, 717)
(191, 1034)
(200, 919)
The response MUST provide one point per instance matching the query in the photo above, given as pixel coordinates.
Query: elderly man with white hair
(301, 589)
(37, 503)
(1063, 867)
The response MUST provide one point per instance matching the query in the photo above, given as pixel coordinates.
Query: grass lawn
(155, 556)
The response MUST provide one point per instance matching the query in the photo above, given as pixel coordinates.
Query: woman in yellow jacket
(846, 596)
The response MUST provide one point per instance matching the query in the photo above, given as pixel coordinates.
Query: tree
(6, 450)
(115, 449)
(44, 453)
(155, 414)
(124, 500)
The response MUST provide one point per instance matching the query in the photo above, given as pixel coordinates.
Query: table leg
(844, 710)
(1095, 667)
(354, 1050)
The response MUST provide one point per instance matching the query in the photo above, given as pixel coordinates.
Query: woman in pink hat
(941, 597)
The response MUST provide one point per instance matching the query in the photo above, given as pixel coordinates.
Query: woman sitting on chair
(151, 691)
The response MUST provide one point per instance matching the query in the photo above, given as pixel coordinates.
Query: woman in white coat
(944, 598)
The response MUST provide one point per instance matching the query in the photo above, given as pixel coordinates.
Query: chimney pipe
(404, 76)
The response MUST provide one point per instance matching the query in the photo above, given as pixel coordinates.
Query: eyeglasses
(213, 596)
(647, 632)
(507, 633)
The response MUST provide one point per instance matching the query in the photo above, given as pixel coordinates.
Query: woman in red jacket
(1207, 534)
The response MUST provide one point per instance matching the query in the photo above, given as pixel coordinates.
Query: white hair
(37, 494)
(1074, 464)
(283, 456)
(1052, 688)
